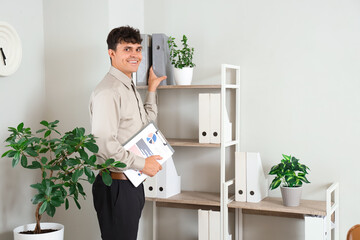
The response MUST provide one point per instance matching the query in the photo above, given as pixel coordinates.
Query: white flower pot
(291, 196)
(57, 235)
(183, 76)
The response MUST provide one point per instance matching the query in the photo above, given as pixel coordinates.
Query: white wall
(22, 98)
(122, 12)
(76, 60)
(300, 87)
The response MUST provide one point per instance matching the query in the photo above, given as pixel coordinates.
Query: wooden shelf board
(190, 143)
(183, 87)
(190, 198)
(274, 206)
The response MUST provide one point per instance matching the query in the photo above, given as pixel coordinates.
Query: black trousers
(118, 208)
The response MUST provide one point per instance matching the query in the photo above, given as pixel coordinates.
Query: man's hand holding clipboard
(152, 145)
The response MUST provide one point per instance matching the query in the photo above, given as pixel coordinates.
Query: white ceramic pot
(291, 196)
(183, 76)
(57, 235)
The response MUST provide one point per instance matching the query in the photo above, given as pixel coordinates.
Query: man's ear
(111, 53)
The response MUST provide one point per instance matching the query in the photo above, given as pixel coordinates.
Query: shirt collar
(121, 76)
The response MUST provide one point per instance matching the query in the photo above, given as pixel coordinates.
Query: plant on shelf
(63, 163)
(289, 172)
(290, 176)
(182, 59)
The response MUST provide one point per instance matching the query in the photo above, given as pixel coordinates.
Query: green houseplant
(290, 176)
(182, 59)
(62, 163)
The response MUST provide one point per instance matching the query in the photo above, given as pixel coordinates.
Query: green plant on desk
(289, 172)
(62, 163)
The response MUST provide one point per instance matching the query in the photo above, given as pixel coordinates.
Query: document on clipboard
(147, 142)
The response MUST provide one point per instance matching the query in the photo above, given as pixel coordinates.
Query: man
(117, 113)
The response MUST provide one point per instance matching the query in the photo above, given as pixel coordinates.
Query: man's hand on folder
(154, 80)
(152, 166)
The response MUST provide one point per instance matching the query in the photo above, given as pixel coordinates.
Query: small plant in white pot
(182, 59)
(62, 163)
(290, 175)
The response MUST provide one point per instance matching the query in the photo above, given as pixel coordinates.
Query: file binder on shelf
(142, 73)
(147, 142)
(203, 225)
(150, 186)
(168, 182)
(204, 115)
(240, 177)
(209, 225)
(257, 183)
(215, 117)
(209, 119)
(251, 185)
(214, 225)
(161, 58)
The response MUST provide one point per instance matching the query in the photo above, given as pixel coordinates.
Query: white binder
(215, 118)
(203, 225)
(150, 187)
(240, 177)
(257, 183)
(204, 116)
(168, 182)
(214, 225)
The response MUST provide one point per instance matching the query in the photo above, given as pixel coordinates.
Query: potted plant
(290, 175)
(182, 59)
(62, 163)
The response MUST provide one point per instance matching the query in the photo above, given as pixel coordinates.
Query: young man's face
(126, 58)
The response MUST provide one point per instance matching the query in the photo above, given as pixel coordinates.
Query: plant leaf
(66, 204)
(43, 207)
(106, 178)
(24, 161)
(50, 210)
(92, 147)
(77, 204)
(20, 127)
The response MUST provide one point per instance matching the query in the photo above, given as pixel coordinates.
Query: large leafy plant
(181, 58)
(63, 163)
(289, 172)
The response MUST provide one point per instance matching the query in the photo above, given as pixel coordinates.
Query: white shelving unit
(315, 213)
(195, 199)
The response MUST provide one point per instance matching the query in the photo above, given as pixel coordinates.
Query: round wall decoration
(10, 49)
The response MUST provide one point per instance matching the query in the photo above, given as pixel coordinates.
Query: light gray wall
(300, 88)
(76, 60)
(22, 99)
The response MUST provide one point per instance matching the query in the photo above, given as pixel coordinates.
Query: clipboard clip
(161, 137)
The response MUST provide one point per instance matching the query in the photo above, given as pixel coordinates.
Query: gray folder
(142, 73)
(161, 58)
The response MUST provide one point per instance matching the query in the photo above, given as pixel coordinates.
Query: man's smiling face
(126, 58)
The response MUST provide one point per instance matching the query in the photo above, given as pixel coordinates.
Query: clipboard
(147, 142)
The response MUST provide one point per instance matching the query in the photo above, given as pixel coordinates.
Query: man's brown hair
(123, 34)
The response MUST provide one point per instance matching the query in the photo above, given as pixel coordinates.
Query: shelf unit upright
(196, 199)
(223, 191)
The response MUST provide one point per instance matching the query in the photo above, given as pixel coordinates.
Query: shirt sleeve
(105, 119)
(150, 106)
